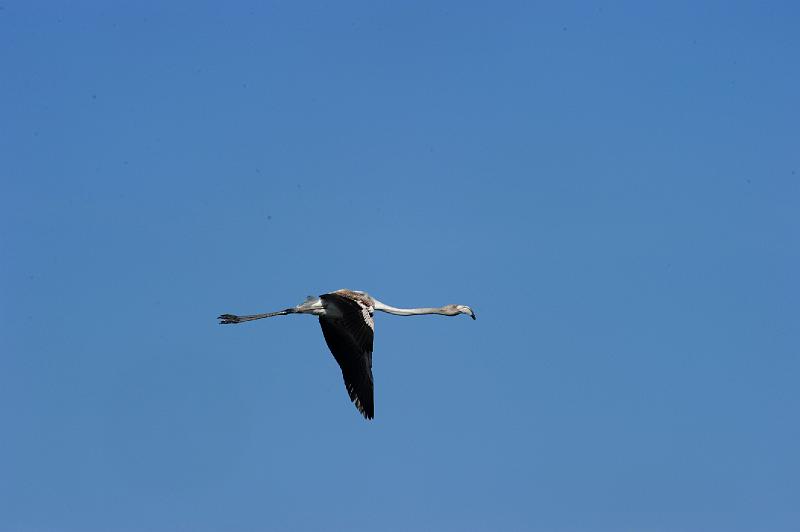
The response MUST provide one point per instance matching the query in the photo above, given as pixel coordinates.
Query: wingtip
(368, 415)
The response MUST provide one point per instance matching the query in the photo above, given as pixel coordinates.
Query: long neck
(383, 307)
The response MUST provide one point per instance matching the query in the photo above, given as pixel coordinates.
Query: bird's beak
(472, 315)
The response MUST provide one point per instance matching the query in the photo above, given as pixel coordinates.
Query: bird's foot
(226, 319)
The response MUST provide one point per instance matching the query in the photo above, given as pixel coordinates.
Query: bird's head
(463, 309)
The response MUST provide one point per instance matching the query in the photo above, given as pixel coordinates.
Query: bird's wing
(349, 338)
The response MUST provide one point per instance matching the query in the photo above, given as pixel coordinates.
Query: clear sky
(613, 187)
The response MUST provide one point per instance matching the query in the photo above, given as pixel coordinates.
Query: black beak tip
(473, 316)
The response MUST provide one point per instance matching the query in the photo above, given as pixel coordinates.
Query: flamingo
(347, 325)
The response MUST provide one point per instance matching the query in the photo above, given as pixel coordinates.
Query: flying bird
(347, 325)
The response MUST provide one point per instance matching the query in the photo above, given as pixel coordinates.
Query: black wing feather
(350, 340)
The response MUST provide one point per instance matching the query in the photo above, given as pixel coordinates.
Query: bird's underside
(346, 318)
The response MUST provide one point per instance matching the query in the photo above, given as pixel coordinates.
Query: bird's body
(346, 318)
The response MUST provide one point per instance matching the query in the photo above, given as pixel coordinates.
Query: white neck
(377, 305)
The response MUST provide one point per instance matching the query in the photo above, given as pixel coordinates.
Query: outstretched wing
(349, 338)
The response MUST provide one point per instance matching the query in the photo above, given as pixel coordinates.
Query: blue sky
(613, 187)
